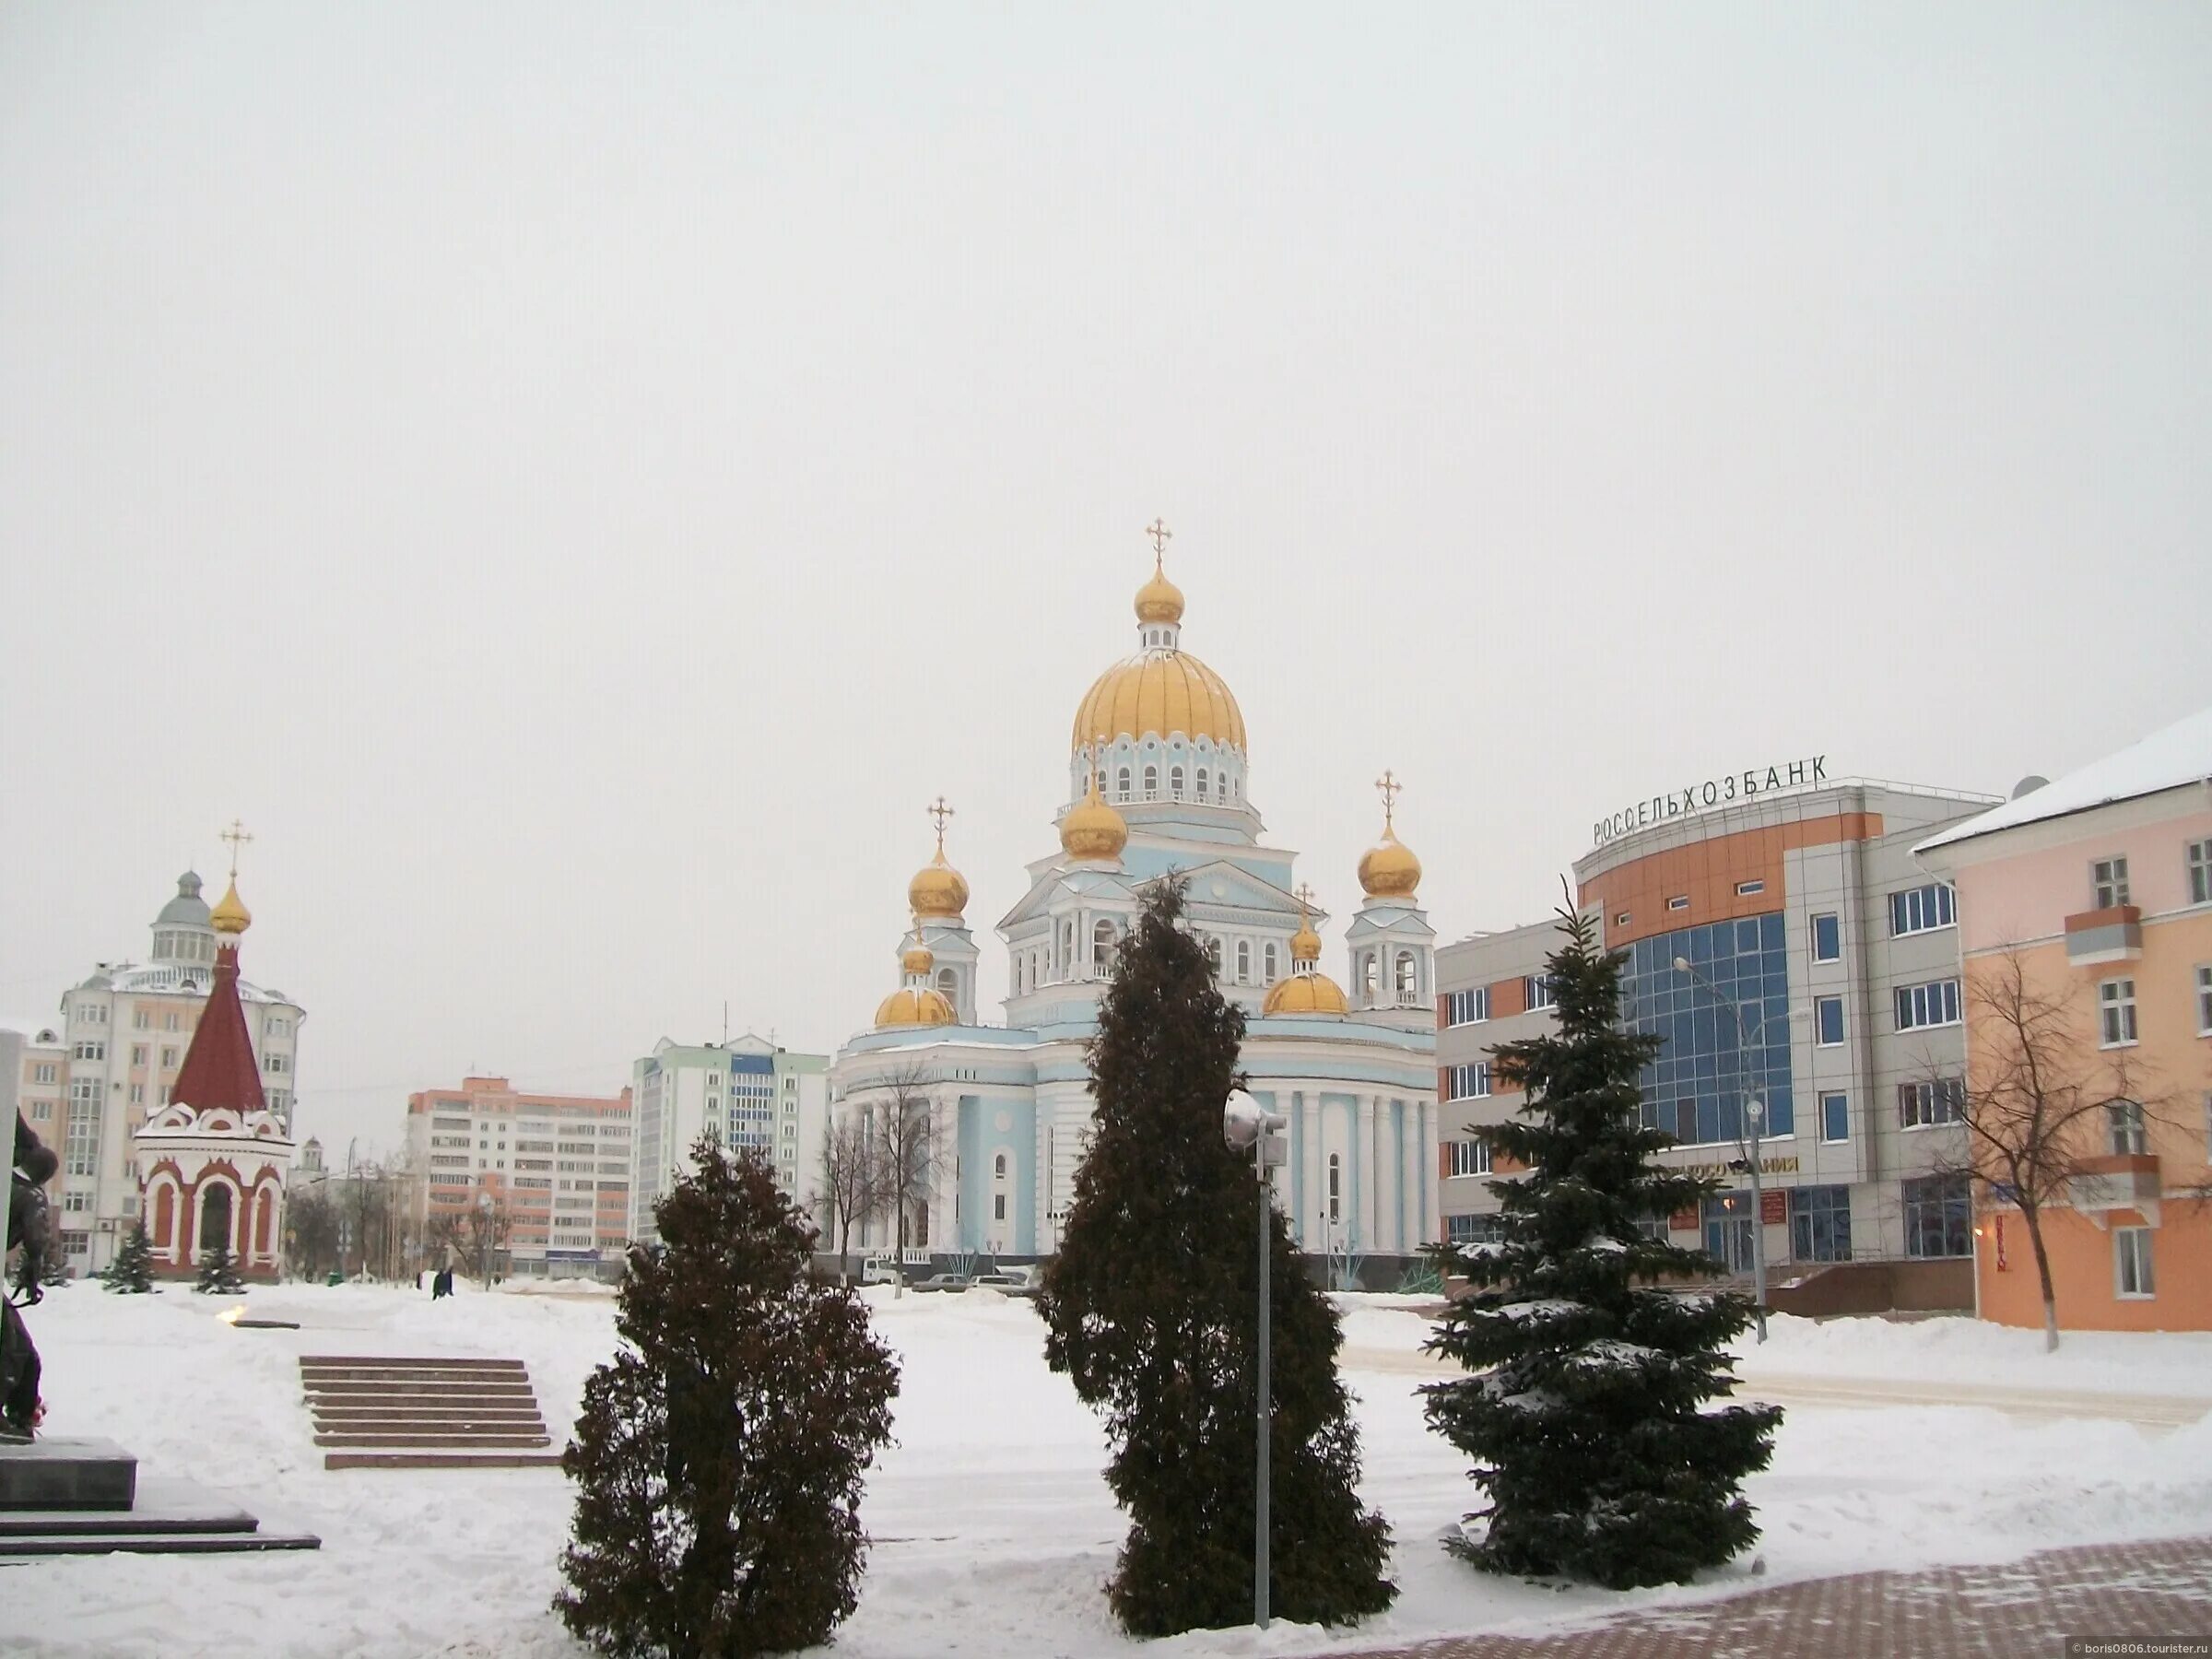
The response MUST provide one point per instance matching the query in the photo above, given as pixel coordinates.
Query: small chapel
(212, 1160)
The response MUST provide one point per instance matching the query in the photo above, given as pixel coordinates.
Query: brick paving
(2023, 1610)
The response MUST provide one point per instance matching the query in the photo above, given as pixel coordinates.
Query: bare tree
(476, 1234)
(905, 1149)
(2040, 1116)
(310, 1229)
(850, 1188)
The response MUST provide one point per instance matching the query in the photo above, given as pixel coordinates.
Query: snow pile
(992, 1529)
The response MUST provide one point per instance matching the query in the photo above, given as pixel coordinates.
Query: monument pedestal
(63, 1496)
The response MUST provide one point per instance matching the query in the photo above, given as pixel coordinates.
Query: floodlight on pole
(1245, 1124)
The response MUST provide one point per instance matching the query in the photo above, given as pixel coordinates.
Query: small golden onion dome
(1092, 829)
(1313, 993)
(1388, 869)
(1158, 600)
(938, 889)
(916, 959)
(231, 916)
(915, 1005)
(1305, 944)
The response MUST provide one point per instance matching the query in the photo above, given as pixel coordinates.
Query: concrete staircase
(375, 1412)
(84, 1497)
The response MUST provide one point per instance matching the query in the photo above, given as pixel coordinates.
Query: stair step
(416, 1437)
(442, 1460)
(415, 1377)
(389, 1426)
(160, 1543)
(459, 1396)
(517, 1413)
(411, 1362)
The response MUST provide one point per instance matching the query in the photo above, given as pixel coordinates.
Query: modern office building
(126, 1030)
(1820, 982)
(748, 1092)
(559, 1165)
(2084, 910)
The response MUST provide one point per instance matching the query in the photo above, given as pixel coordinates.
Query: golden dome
(1158, 600)
(1091, 829)
(1388, 869)
(1305, 944)
(231, 916)
(1311, 993)
(1162, 692)
(915, 1005)
(916, 959)
(938, 889)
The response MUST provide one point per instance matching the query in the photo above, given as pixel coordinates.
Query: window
(998, 1213)
(1835, 1117)
(1122, 782)
(2204, 1002)
(1539, 988)
(1405, 978)
(91, 1049)
(1102, 940)
(2116, 1012)
(1820, 1223)
(142, 1019)
(1933, 1004)
(1472, 1230)
(1202, 781)
(1369, 976)
(1467, 1158)
(2123, 1119)
(1467, 1007)
(1621, 919)
(1272, 962)
(137, 1094)
(1175, 790)
(1244, 974)
(1679, 901)
(1335, 1189)
(1930, 1103)
(1922, 909)
(137, 1054)
(1467, 1082)
(2108, 883)
(1745, 889)
(44, 1073)
(168, 1058)
(278, 1063)
(1213, 952)
(2200, 872)
(2131, 1262)
(1827, 1021)
(1828, 938)
(998, 1169)
(1937, 1216)
(1151, 782)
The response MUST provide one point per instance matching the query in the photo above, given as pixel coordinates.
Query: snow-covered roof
(2171, 758)
(162, 978)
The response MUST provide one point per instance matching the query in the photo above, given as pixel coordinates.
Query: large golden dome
(1313, 993)
(915, 1005)
(1162, 692)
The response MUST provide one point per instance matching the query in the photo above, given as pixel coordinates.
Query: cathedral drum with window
(1157, 779)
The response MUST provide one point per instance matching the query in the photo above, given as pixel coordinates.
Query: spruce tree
(218, 1272)
(720, 1456)
(1151, 1306)
(132, 1271)
(1586, 1416)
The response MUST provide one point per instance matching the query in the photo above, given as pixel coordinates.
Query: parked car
(942, 1281)
(1014, 1282)
(880, 1270)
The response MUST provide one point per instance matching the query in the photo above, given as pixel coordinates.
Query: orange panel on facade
(1708, 874)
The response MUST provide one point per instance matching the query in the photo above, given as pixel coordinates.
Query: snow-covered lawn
(992, 1530)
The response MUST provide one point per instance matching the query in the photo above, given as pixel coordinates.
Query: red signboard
(1681, 1221)
(1774, 1207)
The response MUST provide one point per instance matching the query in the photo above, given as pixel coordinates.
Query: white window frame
(1748, 890)
(1468, 1157)
(1468, 1082)
(1928, 1006)
(2127, 1134)
(1467, 1007)
(2199, 862)
(1680, 902)
(1538, 990)
(1842, 1023)
(2132, 1258)
(2108, 882)
(2116, 1026)
(2204, 999)
(1821, 1099)
(1813, 935)
(1928, 908)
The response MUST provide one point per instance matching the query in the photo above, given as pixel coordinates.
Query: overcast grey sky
(577, 480)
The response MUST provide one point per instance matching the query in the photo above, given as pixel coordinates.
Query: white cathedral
(1156, 783)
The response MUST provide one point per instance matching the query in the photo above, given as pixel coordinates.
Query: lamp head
(1244, 1120)
(1681, 964)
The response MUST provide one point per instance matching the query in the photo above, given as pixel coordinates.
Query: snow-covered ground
(992, 1529)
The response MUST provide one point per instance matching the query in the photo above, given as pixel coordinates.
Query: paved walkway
(2026, 1610)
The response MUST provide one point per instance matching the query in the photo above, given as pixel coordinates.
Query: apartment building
(559, 1165)
(748, 1092)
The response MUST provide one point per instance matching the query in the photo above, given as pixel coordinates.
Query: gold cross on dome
(236, 835)
(1391, 789)
(1161, 536)
(939, 813)
(1305, 898)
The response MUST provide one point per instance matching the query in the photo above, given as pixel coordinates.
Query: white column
(1370, 1236)
(1409, 1168)
(1431, 1225)
(1313, 1224)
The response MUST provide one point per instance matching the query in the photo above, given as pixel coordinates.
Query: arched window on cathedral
(1067, 949)
(1335, 1192)
(1102, 941)
(1202, 782)
(1175, 784)
(998, 1168)
(1123, 788)
(1244, 974)
(1270, 962)
(1403, 980)
(949, 984)
(1367, 975)
(1151, 783)
(1102, 780)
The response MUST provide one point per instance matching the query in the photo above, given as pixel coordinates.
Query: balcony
(2125, 1180)
(2111, 935)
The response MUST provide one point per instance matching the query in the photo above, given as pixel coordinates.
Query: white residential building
(748, 1092)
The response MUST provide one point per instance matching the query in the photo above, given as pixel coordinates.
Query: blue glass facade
(1696, 1090)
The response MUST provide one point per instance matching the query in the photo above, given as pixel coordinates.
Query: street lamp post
(484, 1234)
(1245, 1123)
(1753, 1111)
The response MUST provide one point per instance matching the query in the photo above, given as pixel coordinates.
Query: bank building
(1157, 781)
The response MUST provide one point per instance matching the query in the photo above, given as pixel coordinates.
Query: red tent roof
(219, 1069)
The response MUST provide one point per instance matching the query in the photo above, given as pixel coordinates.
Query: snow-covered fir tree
(219, 1271)
(132, 1271)
(1151, 1305)
(1589, 1413)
